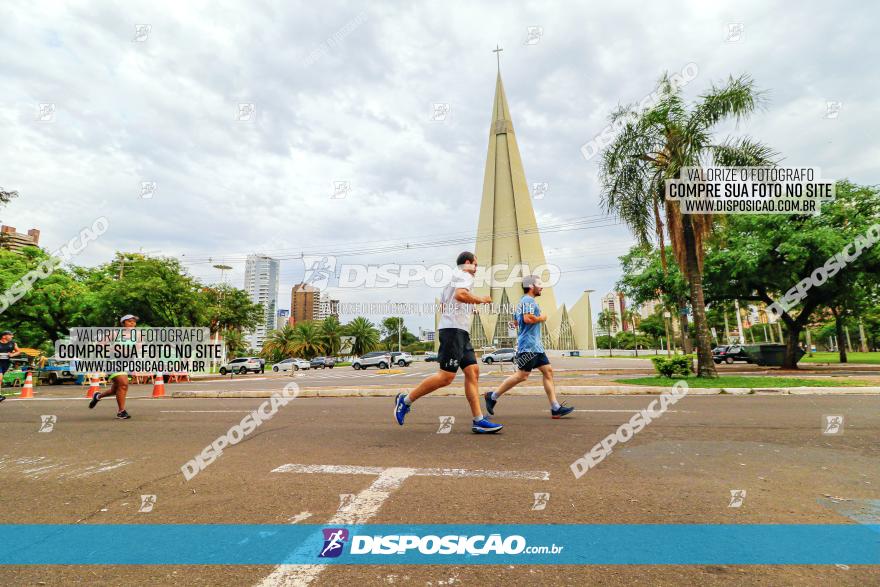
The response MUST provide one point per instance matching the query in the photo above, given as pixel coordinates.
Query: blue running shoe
(400, 408)
(563, 410)
(490, 403)
(484, 426)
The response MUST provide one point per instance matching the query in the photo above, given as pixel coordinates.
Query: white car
(500, 356)
(292, 364)
(242, 366)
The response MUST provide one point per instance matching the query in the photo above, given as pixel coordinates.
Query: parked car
(380, 359)
(56, 372)
(401, 359)
(323, 362)
(291, 364)
(730, 353)
(430, 357)
(500, 356)
(15, 375)
(241, 366)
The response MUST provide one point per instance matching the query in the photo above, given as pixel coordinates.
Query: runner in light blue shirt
(530, 350)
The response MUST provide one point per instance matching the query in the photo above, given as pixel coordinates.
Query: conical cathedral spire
(507, 233)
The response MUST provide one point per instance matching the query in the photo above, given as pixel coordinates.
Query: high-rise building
(508, 239)
(309, 303)
(261, 284)
(649, 308)
(615, 302)
(14, 241)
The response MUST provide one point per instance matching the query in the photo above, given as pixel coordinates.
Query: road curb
(564, 390)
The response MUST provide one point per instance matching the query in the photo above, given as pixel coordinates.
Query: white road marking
(366, 504)
(204, 411)
(630, 411)
(359, 470)
(300, 517)
(357, 511)
(42, 467)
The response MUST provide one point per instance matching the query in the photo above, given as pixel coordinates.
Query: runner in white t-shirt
(456, 352)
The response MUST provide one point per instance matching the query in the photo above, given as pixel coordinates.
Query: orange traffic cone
(158, 386)
(93, 386)
(28, 389)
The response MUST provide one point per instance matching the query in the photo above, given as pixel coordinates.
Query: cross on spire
(497, 51)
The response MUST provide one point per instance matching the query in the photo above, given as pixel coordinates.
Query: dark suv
(322, 362)
(729, 354)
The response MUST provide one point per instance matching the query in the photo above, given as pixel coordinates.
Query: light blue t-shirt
(529, 339)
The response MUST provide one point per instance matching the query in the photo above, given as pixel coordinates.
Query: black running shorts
(456, 351)
(529, 361)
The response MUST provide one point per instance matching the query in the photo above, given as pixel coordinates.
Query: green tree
(332, 332)
(652, 147)
(366, 337)
(226, 307)
(646, 277)
(308, 341)
(234, 341)
(761, 257)
(157, 289)
(49, 306)
(653, 326)
(281, 343)
(608, 321)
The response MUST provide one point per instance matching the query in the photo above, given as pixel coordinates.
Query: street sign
(347, 344)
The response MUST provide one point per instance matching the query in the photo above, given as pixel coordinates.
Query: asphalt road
(92, 469)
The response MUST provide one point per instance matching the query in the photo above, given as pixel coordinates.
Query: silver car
(291, 364)
(500, 356)
(380, 359)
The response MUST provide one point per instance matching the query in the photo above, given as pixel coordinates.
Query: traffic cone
(93, 386)
(158, 386)
(28, 389)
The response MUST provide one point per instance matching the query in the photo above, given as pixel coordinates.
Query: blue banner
(380, 544)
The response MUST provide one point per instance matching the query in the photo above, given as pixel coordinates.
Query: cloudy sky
(345, 92)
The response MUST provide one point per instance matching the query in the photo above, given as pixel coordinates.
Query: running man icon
(334, 539)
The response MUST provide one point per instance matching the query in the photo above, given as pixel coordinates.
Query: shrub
(681, 365)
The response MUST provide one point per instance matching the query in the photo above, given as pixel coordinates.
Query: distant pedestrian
(8, 349)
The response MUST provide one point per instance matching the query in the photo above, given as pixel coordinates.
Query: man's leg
(472, 389)
(556, 409)
(432, 383)
(518, 377)
(549, 386)
(403, 402)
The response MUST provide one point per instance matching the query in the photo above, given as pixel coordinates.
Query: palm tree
(234, 341)
(281, 343)
(308, 341)
(653, 146)
(607, 321)
(331, 331)
(629, 317)
(366, 337)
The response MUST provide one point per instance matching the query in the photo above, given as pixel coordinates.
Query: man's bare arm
(532, 319)
(466, 297)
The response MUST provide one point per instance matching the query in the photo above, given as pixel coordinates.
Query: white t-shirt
(455, 314)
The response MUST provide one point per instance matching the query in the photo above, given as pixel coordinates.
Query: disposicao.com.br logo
(451, 544)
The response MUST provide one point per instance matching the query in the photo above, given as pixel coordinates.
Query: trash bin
(769, 355)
